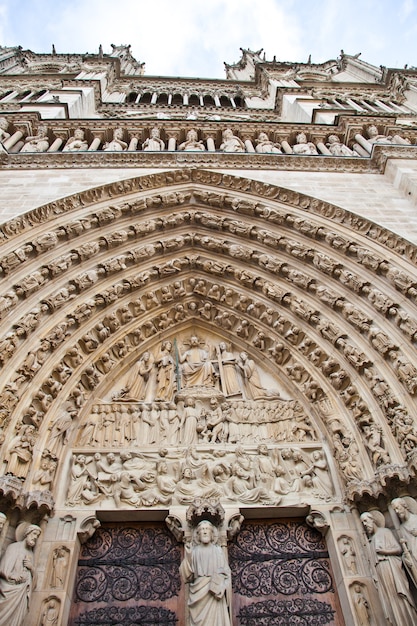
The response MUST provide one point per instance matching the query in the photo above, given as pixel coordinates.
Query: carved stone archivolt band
(319, 351)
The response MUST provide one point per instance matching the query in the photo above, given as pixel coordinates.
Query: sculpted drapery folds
(386, 552)
(406, 510)
(17, 577)
(207, 573)
(196, 368)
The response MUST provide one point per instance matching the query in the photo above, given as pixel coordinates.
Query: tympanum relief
(195, 417)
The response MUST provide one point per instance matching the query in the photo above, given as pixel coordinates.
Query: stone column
(322, 148)
(133, 145)
(172, 140)
(11, 141)
(94, 144)
(286, 147)
(364, 143)
(249, 145)
(211, 146)
(55, 145)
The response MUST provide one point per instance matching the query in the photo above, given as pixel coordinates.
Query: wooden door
(281, 576)
(128, 574)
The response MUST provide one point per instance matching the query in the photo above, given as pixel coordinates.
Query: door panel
(281, 576)
(128, 574)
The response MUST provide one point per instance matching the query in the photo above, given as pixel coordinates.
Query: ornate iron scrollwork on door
(281, 575)
(128, 575)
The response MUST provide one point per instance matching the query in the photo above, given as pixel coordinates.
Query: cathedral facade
(208, 327)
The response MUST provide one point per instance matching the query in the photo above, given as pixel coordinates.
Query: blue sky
(194, 37)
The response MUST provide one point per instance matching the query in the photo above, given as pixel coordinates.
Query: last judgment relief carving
(210, 422)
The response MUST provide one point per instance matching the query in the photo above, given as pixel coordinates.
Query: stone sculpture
(393, 585)
(154, 143)
(405, 509)
(361, 604)
(38, 142)
(4, 125)
(192, 144)
(303, 146)
(17, 578)
(116, 144)
(207, 574)
(231, 143)
(264, 145)
(196, 367)
(337, 148)
(375, 137)
(77, 142)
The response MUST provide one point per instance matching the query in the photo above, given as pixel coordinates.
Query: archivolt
(325, 299)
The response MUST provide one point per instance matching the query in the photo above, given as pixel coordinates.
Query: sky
(194, 37)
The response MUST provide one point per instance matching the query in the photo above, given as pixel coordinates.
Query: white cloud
(194, 37)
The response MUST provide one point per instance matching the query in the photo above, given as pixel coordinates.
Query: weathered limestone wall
(389, 199)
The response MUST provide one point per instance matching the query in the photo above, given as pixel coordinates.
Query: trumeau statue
(207, 574)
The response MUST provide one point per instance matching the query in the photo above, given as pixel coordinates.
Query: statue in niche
(116, 144)
(337, 148)
(192, 144)
(393, 585)
(228, 371)
(231, 143)
(154, 142)
(361, 605)
(17, 578)
(349, 555)
(165, 378)
(60, 560)
(77, 142)
(21, 450)
(251, 381)
(302, 146)
(196, 367)
(38, 142)
(139, 383)
(50, 614)
(264, 145)
(206, 571)
(406, 510)
(375, 137)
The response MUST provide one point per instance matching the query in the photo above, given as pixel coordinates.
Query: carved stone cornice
(189, 160)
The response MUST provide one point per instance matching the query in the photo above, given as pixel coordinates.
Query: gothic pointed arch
(321, 302)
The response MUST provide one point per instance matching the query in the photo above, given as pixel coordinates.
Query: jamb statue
(207, 573)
